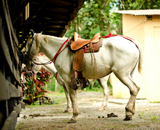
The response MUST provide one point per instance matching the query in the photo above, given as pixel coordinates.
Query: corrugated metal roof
(140, 12)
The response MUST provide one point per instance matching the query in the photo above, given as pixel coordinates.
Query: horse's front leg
(73, 97)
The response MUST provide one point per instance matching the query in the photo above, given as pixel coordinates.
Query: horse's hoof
(127, 118)
(65, 111)
(72, 121)
(101, 109)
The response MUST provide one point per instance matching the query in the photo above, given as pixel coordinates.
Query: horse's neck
(49, 67)
(49, 45)
(37, 68)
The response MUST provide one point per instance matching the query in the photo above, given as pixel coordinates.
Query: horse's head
(32, 49)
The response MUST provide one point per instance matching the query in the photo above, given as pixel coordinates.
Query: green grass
(148, 116)
(156, 102)
(141, 115)
(96, 87)
(57, 98)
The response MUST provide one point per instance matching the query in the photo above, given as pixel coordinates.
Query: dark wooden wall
(53, 17)
(10, 84)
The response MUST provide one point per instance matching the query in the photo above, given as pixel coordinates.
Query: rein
(54, 58)
(59, 51)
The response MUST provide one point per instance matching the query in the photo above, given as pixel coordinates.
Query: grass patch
(142, 115)
(57, 98)
(156, 102)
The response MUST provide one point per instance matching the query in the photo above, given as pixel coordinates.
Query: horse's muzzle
(26, 60)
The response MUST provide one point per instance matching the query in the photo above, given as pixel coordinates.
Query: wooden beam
(61, 2)
(20, 10)
(36, 13)
(56, 16)
(59, 10)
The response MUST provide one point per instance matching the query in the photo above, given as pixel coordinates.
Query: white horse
(51, 68)
(117, 55)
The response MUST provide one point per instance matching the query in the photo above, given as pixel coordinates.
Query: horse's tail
(140, 64)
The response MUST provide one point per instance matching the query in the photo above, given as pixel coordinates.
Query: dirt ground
(51, 117)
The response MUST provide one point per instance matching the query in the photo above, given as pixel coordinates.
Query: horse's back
(116, 53)
(124, 53)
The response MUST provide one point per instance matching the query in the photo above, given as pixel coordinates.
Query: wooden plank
(14, 92)
(56, 16)
(8, 90)
(61, 2)
(8, 58)
(17, 109)
(4, 88)
(5, 50)
(10, 29)
(58, 10)
(10, 122)
(22, 104)
(20, 90)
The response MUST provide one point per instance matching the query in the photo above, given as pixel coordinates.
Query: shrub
(35, 86)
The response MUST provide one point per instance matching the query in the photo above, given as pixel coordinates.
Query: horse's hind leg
(69, 108)
(103, 83)
(133, 88)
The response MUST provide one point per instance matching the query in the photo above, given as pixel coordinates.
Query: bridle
(54, 58)
(29, 48)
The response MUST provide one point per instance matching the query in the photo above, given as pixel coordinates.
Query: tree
(98, 16)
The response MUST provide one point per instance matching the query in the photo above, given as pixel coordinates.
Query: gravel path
(51, 117)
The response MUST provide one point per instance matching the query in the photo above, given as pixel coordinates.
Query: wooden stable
(17, 17)
(10, 88)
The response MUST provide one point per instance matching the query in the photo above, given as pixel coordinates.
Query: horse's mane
(47, 38)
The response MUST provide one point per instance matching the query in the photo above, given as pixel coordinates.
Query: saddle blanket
(113, 35)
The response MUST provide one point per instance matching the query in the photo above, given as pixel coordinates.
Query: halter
(29, 49)
(54, 58)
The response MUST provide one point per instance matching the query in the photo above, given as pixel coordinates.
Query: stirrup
(78, 82)
(87, 82)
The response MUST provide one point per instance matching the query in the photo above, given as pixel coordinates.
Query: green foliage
(97, 88)
(51, 85)
(98, 16)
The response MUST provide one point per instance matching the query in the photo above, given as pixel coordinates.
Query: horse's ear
(41, 32)
(32, 32)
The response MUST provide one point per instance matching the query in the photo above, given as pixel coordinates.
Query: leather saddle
(81, 46)
(79, 43)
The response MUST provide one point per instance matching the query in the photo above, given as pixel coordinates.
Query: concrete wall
(152, 58)
(147, 32)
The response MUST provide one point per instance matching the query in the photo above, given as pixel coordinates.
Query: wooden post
(56, 85)
(92, 83)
